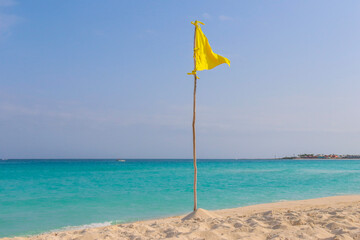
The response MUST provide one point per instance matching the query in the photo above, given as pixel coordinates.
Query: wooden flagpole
(193, 125)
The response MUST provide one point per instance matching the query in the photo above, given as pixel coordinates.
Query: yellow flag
(205, 58)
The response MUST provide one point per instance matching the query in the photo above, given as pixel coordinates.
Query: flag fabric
(205, 58)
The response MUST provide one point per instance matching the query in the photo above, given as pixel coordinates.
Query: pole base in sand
(199, 214)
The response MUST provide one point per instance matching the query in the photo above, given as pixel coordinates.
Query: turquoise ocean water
(43, 195)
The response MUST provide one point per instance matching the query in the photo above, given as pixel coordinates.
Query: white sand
(324, 218)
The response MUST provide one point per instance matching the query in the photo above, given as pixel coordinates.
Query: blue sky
(108, 79)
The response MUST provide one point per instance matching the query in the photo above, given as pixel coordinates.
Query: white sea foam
(330, 171)
(82, 227)
(252, 170)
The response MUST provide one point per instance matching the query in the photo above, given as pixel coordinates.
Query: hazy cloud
(72, 112)
(7, 20)
(206, 15)
(149, 31)
(224, 18)
(7, 3)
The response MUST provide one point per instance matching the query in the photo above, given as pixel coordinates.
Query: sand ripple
(332, 218)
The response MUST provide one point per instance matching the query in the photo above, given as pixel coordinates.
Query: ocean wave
(330, 171)
(252, 170)
(82, 227)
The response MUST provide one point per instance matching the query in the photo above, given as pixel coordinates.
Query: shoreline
(319, 218)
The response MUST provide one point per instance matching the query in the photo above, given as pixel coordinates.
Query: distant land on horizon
(323, 156)
(295, 157)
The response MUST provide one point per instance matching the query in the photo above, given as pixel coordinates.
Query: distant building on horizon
(323, 156)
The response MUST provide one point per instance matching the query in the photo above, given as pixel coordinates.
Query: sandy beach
(324, 218)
